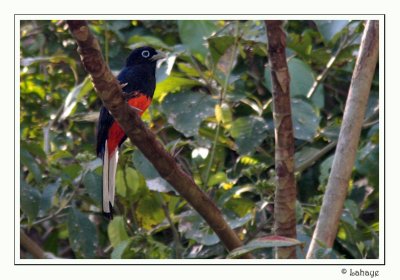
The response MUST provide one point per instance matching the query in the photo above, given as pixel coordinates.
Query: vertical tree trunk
(342, 166)
(285, 194)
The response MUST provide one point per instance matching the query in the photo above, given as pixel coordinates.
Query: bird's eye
(145, 54)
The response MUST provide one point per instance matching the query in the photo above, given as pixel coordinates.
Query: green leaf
(70, 172)
(331, 131)
(30, 201)
(28, 61)
(116, 231)
(188, 70)
(34, 149)
(193, 227)
(301, 81)
(329, 28)
(305, 120)
(48, 195)
(223, 114)
(30, 162)
(302, 44)
(240, 206)
(149, 211)
(248, 132)
(217, 178)
(60, 155)
(325, 170)
(165, 68)
(153, 179)
(367, 162)
(93, 185)
(186, 110)
(120, 249)
(74, 96)
(263, 242)
(130, 184)
(172, 84)
(219, 45)
(193, 34)
(82, 234)
(142, 40)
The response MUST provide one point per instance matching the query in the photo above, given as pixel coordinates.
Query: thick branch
(342, 166)
(110, 92)
(31, 246)
(285, 193)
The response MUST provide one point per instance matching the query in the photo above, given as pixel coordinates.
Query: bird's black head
(144, 55)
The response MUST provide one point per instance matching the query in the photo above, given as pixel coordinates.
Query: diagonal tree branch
(342, 166)
(110, 92)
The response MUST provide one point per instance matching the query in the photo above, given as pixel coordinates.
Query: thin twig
(321, 77)
(221, 99)
(310, 161)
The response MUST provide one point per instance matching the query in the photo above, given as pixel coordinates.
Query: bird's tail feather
(110, 161)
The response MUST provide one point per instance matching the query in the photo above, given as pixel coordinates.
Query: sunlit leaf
(74, 96)
(165, 68)
(240, 206)
(173, 84)
(223, 114)
(217, 178)
(130, 184)
(142, 40)
(116, 231)
(149, 211)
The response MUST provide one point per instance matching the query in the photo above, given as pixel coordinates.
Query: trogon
(138, 81)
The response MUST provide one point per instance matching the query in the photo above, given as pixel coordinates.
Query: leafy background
(213, 110)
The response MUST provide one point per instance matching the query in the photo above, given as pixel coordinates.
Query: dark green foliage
(212, 109)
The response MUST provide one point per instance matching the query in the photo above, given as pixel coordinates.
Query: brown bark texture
(31, 246)
(342, 166)
(285, 193)
(110, 92)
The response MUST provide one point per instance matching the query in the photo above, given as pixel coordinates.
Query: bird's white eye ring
(145, 53)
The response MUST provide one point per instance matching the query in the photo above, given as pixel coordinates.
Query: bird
(138, 81)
